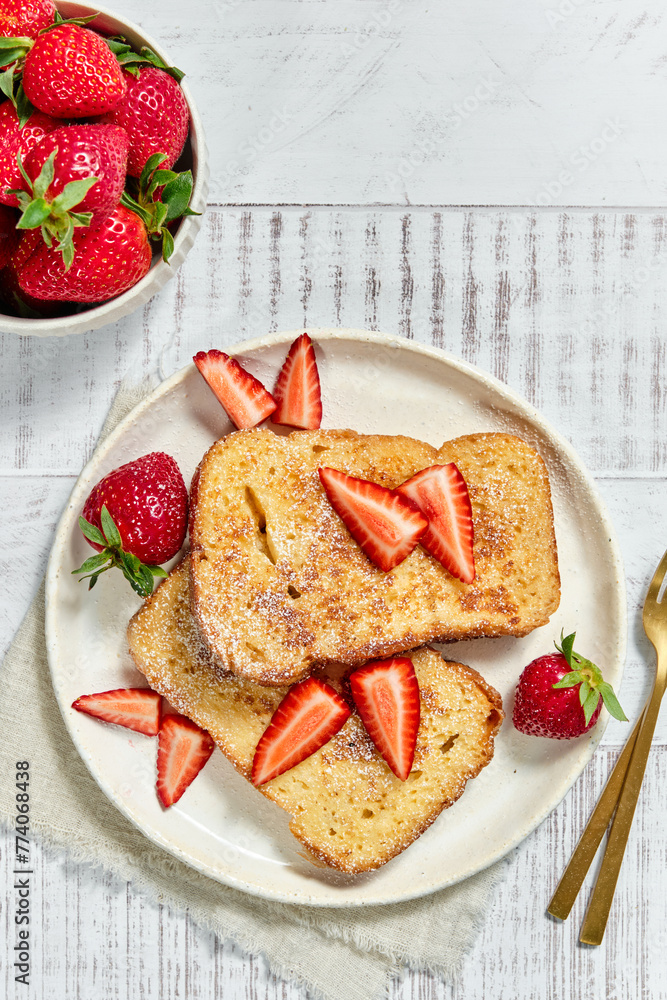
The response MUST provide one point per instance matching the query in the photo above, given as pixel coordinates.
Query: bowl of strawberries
(103, 167)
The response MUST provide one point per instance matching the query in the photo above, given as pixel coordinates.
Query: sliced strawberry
(297, 390)
(135, 708)
(386, 694)
(243, 396)
(308, 716)
(183, 749)
(385, 524)
(442, 496)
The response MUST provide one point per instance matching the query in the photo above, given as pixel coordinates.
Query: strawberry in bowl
(16, 139)
(154, 114)
(25, 17)
(115, 219)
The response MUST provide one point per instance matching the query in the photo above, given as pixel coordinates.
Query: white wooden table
(347, 139)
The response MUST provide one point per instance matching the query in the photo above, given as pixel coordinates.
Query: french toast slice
(278, 583)
(345, 804)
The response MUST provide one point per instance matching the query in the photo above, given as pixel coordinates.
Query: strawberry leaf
(18, 41)
(22, 171)
(111, 532)
(93, 563)
(72, 194)
(129, 202)
(59, 221)
(7, 83)
(36, 212)
(12, 88)
(160, 215)
(59, 19)
(611, 702)
(157, 213)
(81, 218)
(11, 51)
(131, 61)
(24, 109)
(569, 680)
(591, 704)
(566, 646)
(66, 246)
(92, 533)
(46, 175)
(159, 178)
(9, 56)
(139, 576)
(150, 166)
(592, 682)
(167, 244)
(145, 580)
(177, 194)
(118, 45)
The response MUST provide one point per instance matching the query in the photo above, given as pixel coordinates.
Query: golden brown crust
(345, 805)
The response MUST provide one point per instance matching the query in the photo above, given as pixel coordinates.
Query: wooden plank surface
(567, 308)
(536, 102)
(95, 939)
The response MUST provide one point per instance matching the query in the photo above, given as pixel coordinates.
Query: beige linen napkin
(334, 953)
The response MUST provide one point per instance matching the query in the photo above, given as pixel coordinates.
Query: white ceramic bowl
(196, 156)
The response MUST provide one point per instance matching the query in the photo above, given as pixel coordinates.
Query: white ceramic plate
(224, 827)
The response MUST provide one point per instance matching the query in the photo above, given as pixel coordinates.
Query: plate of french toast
(333, 555)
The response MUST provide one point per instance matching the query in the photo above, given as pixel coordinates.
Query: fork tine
(656, 582)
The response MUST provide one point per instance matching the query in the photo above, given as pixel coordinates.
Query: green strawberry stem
(55, 218)
(593, 686)
(59, 19)
(12, 55)
(132, 61)
(172, 204)
(13, 49)
(138, 574)
(11, 87)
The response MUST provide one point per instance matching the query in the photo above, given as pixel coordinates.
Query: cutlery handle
(575, 873)
(595, 921)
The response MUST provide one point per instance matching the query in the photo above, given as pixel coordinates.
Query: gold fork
(622, 789)
(573, 877)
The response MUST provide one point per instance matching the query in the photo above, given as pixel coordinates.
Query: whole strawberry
(136, 517)
(25, 18)
(75, 177)
(84, 152)
(560, 695)
(17, 301)
(109, 258)
(70, 72)
(9, 237)
(15, 140)
(155, 115)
